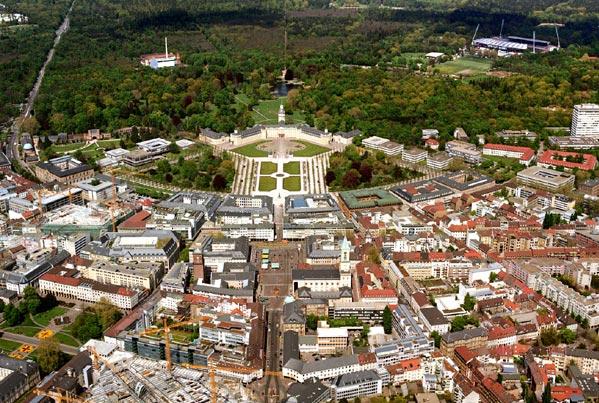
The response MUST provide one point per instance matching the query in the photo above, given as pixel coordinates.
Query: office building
(546, 179)
(585, 120)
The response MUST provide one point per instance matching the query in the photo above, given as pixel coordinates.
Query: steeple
(344, 265)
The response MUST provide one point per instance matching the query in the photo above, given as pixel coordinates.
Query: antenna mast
(501, 32)
(165, 47)
(534, 42)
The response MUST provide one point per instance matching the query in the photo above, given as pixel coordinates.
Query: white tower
(165, 47)
(344, 265)
(281, 114)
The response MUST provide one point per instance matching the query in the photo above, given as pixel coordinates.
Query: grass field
(267, 112)
(30, 331)
(250, 150)
(292, 183)
(7, 345)
(44, 318)
(292, 167)
(465, 66)
(267, 168)
(267, 184)
(310, 150)
(67, 339)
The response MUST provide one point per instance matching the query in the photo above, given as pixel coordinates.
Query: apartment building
(130, 275)
(357, 384)
(332, 367)
(466, 151)
(472, 338)
(66, 170)
(525, 155)
(585, 120)
(331, 340)
(66, 284)
(147, 246)
(546, 179)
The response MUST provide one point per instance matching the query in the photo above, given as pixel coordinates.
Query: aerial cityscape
(299, 201)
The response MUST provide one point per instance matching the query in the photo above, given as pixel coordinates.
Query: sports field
(465, 66)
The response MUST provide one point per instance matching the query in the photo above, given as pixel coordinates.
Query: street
(12, 149)
(35, 341)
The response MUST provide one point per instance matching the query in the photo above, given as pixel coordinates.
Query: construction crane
(211, 369)
(96, 363)
(212, 375)
(475, 32)
(59, 397)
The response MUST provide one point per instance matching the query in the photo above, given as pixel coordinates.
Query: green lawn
(466, 66)
(250, 150)
(67, 339)
(292, 183)
(267, 168)
(44, 318)
(267, 112)
(310, 150)
(292, 168)
(24, 330)
(63, 148)
(267, 184)
(8, 346)
(109, 143)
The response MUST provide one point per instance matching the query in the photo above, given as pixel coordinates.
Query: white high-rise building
(585, 120)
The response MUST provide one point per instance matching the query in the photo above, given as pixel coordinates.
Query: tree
(549, 337)
(312, 321)
(437, 338)
(12, 315)
(567, 336)
(32, 300)
(107, 313)
(546, 397)
(351, 179)
(492, 277)
(87, 326)
(2, 305)
(49, 356)
(387, 320)
(219, 182)
(469, 303)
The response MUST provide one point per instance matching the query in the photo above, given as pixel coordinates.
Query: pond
(282, 88)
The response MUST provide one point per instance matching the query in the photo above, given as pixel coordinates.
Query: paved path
(36, 342)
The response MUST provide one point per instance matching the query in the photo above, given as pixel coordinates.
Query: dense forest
(230, 49)
(23, 48)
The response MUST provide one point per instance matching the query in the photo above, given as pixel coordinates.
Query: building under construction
(72, 218)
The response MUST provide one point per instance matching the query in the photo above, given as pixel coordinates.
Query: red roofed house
(406, 371)
(568, 160)
(525, 155)
(564, 393)
(501, 336)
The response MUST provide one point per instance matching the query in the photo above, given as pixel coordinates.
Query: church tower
(281, 115)
(344, 264)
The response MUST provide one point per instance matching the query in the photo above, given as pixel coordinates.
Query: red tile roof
(526, 153)
(549, 158)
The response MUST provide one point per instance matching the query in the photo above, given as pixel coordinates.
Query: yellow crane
(58, 396)
(210, 368)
